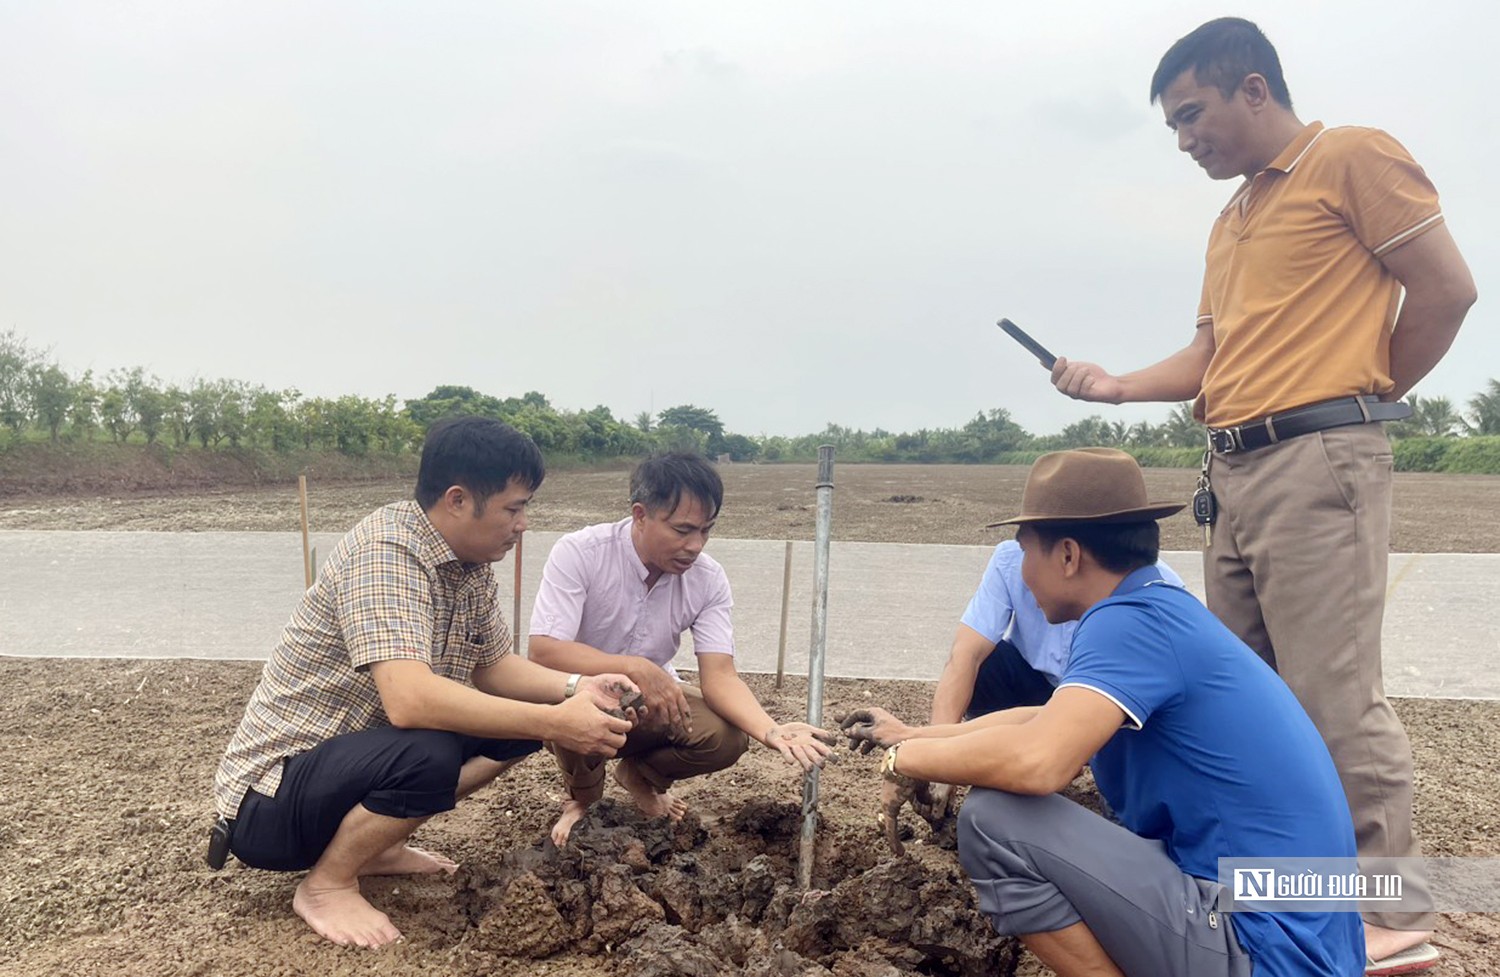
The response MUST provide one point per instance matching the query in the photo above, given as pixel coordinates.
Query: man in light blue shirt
(1005, 654)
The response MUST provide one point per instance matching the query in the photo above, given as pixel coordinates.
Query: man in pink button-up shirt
(617, 597)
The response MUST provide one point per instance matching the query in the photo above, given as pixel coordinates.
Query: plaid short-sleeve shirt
(392, 589)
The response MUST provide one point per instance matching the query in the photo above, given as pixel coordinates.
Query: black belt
(1294, 423)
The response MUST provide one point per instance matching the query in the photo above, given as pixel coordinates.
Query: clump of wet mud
(686, 899)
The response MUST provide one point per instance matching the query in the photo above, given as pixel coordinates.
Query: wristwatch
(572, 685)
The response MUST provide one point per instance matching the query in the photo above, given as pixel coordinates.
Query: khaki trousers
(661, 757)
(1297, 569)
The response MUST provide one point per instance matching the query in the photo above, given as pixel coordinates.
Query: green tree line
(41, 401)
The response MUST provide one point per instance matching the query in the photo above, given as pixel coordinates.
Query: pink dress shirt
(594, 592)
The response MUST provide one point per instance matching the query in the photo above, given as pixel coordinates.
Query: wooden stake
(515, 614)
(307, 567)
(786, 590)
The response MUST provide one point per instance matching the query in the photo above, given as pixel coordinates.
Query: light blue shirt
(1002, 607)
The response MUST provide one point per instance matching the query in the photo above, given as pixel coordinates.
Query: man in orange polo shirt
(1303, 345)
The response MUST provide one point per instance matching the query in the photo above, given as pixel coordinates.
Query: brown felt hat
(1087, 485)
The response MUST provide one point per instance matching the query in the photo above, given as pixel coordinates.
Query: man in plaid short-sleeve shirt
(393, 691)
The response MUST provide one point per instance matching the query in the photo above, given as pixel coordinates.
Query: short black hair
(1120, 547)
(661, 480)
(1222, 53)
(479, 453)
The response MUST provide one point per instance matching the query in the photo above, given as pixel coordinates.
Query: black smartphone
(1035, 348)
(218, 843)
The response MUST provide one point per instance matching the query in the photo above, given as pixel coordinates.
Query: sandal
(1408, 961)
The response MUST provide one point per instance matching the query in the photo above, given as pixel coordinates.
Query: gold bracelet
(888, 765)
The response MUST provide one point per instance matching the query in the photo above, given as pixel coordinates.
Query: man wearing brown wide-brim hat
(1195, 743)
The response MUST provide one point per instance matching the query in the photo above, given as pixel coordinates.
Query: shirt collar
(1136, 579)
(1284, 162)
(432, 547)
(623, 528)
(1297, 148)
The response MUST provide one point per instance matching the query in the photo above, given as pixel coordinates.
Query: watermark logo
(1311, 885)
(1359, 885)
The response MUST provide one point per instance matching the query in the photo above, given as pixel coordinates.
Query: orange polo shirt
(1294, 289)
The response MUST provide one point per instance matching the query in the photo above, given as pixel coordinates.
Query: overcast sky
(792, 213)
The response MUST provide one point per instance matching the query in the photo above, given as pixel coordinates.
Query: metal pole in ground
(307, 560)
(815, 657)
(786, 605)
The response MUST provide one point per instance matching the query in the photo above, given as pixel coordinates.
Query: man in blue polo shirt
(1197, 745)
(1005, 654)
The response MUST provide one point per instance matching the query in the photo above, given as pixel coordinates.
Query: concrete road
(892, 607)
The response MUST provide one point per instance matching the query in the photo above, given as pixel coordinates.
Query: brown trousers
(660, 757)
(1297, 569)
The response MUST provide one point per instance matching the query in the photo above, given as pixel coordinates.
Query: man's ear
(1257, 91)
(1071, 555)
(637, 513)
(455, 499)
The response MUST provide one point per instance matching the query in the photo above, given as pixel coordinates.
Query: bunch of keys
(1205, 506)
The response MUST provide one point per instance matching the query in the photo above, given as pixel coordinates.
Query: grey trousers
(1041, 864)
(1297, 570)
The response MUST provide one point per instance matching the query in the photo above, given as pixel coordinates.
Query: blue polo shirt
(1216, 759)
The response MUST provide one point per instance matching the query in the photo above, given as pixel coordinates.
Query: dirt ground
(105, 770)
(872, 503)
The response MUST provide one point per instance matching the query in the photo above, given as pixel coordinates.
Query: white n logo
(1254, 883)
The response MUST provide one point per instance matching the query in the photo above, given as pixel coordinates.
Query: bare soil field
(872, 503)
(105, 770)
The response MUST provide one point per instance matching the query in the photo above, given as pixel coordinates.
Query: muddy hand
(872, 727)
(665, 700)
(615, 695)
(632, 707)
(801, 742)
(934, 802)
(587, 729)
(893, 796)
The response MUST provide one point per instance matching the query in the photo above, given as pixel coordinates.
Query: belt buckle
(1227, 440)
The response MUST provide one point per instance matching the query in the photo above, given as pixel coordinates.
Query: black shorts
(398, 773)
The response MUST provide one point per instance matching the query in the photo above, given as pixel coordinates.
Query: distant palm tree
(1484, 410)
(1431, 417)
(1142, 434)
(1181, 429)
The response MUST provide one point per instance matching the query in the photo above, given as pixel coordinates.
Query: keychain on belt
(1205, 506)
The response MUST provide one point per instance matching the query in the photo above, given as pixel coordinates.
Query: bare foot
(572, 812)
(341, 915)
(402, 859)
(1381, 942)
(652, 802)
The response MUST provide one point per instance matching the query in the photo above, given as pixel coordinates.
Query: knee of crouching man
(429, 760)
